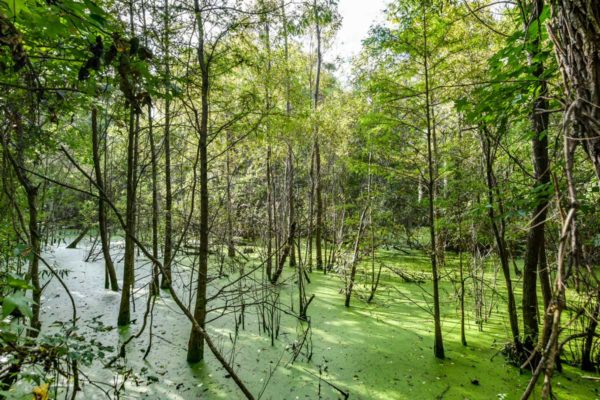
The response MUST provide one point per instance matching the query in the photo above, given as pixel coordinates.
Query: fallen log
(78, 239)
(409, 277)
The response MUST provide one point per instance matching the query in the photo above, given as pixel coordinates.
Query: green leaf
(98, 18)
(21, 247)
(17, 283)
(16, 6)
(16, 301)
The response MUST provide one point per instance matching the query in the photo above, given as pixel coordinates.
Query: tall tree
(316, 164)
(22, 137)
(495, 209)
(535, 250)
(111, 275)
(196, 341)
(168, 246)
(438, 345)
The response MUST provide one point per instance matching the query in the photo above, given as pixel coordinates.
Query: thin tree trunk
(290, 155)
(155, 287)
(544, 275)
(374, 277)
(31, 192)
(34, 273)
(463, 337)
(311, 211)
(102, 223)
(168, 247)
(500, 241)
(129, 258)
(317, 152)
(230, 243)
(289, 244)
(587, 364)
(567, 249)
(154, 164)
(438, 347)
(539, 142)
(269, 216)
(79, 238)
(124, 317)
(196, 341)
(138, 193)
(291, 208)
(355, 257)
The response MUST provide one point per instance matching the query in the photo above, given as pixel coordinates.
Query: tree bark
(463, 337)
(196, 342)
(289, 245)
(129, 259)
(317, 152)
(31, 192)
(438, 346)
(541, 163)
(269, 264)
(355, 257)
(587, 364)
(575, 31)
(499, 237)
(79, 238)
(291, 208)
(102, 222)
(230, 243)
(290, 155)
(154, 165)
(168, 246)
(34, 264)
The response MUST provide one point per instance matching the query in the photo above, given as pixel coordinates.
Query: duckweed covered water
(372, 351)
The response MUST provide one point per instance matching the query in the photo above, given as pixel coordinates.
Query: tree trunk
(291, 208)
(500, 241)
(289, 245)
(541, 163)
(79, 238)
(34, 264)
(587, 364)
(311, 211)
(269, 217)
(129, 259)
(102, 223)
(31, 191)
(230, 244)
(355, 257)
(544, 275)
(567, 252)
(196, 342)
(317, 152)
(575, 31)
(438, 347)
(463, 337)
(168, 247)
(154, 165)
(290, 155)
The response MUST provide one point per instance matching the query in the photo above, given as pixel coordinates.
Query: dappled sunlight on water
(374, 351)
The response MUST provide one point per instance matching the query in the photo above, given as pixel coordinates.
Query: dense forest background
(195, 203)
